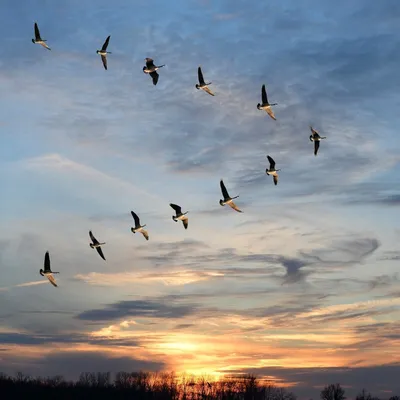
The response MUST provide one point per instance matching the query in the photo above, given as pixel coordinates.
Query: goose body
(96, 245)
(265, 105)
(151, 69)
(138, 227)
(202, 84)
(38, 39)
(227, 199)
(316, 138)
(103, 52)
(179, 216)
(47, 272)
(271, 170)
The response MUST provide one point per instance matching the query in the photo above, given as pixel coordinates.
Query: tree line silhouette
(155, 386)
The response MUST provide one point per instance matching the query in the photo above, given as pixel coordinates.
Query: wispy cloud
(178, 278)
(54, 163)
(26, 284)
(137, 308)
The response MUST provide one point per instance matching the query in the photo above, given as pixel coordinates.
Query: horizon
(169, 384)
(302, 287)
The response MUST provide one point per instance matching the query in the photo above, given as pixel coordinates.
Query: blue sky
(302, 286)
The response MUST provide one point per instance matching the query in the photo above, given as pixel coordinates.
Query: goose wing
(234, 206)
(200, 74)
(37, 33)
(52, 280)
(316, 147)
(271, 162)
(275, 179)
(223, 190)
(149, 63)
(45, 45)
(154, 75)
(104, 48)
(47, 262)
(185, 222)
(177, 208)
(270, 113)
(145, 234)
(100, 253)
(264, 97)
(94, 240)
(104, 59)
(136, 218)
(206, 89)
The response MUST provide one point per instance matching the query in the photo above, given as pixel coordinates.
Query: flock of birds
(151, 69)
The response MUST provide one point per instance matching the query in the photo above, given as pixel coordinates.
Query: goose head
(311, 138)
(91, 245)
(221, 202)
(133, 230)
(197, 86)
(41, 272)
(144, 69)
(259, 106)
(33, 41)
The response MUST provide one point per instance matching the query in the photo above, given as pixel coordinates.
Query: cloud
(34, 283)
(26, 284)
(112, 335)
(354, 310)
(56, 163)
(293, 270)
(183, 326)
(391, 255)
(70, 364)
(344, 252)
(383, 281)
(137, 308)
(30, 339)
(390, 200)
(179, 277)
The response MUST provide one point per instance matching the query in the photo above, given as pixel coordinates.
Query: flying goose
(38, 39)
(316, 139)
(227, 199)
(203, 85)
(138, 227)
(96, 245)
(151, 69)
(179, 215)
(47, 272)
(103, 52)
(272, 171)
(265, 105)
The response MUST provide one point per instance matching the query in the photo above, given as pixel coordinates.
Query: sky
(302, 287)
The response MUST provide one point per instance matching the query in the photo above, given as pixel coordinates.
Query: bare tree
(123, 380)
(54, 381)
(283, 394)
(103, 379)
(332, 392)
(20, 377)
(87, 379)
